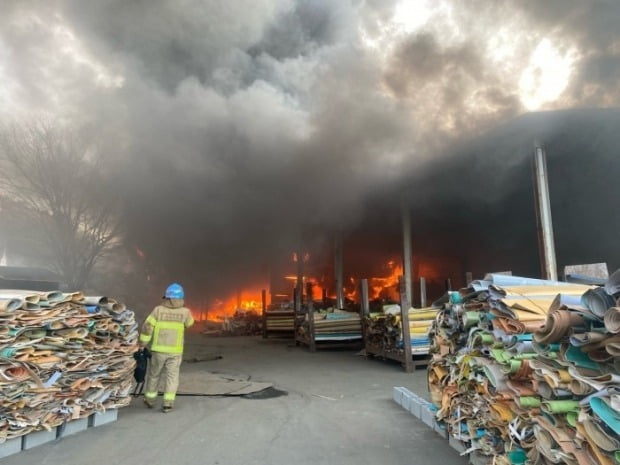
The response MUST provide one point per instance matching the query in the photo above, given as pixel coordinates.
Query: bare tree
(55, 177)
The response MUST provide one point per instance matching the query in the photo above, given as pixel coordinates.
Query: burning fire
(245, 301)
(386, 286)
(380, 287)
(317, 289)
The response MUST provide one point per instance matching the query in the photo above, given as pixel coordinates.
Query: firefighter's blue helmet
(174, 291)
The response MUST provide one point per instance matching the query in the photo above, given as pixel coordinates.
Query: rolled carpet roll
(589, 337)
(425, 315)
(52, 296)
(597, 434)
(13, 373)
(529, 402)
(418, 330)
(9, 305)
(558, 325)
(597, 301)
(471, 319)
(560, 406)
(27, 296)
(612, 320)
(95, 300)
(606, 413)
(614, 350)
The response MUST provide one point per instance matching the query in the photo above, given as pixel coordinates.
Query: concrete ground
(338, 410)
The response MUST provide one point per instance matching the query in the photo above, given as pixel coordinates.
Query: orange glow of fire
(387, 286)
(248, 300)
(317, 289)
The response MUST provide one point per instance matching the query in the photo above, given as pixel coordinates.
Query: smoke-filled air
(200, 141)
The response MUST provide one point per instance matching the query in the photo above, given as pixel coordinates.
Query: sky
(236, 129)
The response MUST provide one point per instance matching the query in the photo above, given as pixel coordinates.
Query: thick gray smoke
(237, 129)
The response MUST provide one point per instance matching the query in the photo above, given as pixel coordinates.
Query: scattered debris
(269, 393)
(241, 323)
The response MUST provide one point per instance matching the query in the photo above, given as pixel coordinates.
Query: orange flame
(387, 286)
(247, 300)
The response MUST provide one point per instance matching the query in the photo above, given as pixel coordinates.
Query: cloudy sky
(233, 125)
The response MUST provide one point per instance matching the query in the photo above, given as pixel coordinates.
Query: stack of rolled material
(280, 320)
(529, 372)
(384, 330)
(333, 325)
(62, 357)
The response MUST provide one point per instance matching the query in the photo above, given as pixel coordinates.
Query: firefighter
(163, 331)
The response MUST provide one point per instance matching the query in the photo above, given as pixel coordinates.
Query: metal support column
(543, 215)
(422, 292)
(407, 271)
(263, 296)
(404, 321)
(339, 271)
(299, 289)
(364, 305)
(310, 304)
(364, 301)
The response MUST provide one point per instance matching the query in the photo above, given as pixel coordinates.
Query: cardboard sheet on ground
(217, 384)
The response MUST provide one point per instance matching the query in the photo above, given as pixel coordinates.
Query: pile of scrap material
(332, 325)
(62, 357)
(242, 323)
(528, 371)
(384, 330)
(375, 329)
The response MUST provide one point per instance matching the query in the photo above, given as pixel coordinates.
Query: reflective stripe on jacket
(165, 327)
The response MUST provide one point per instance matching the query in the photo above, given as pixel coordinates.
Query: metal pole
(263, 296)
(543, 214)
(312, 343)
(296, 314)
(364, 302)
(299, 289)
(406, 220)
(338, 259)
(404, 322)
(364, 307)
(422, 292)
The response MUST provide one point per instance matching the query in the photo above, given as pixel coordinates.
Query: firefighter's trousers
(163, 368)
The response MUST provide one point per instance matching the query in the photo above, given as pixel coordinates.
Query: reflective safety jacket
(165, 327)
